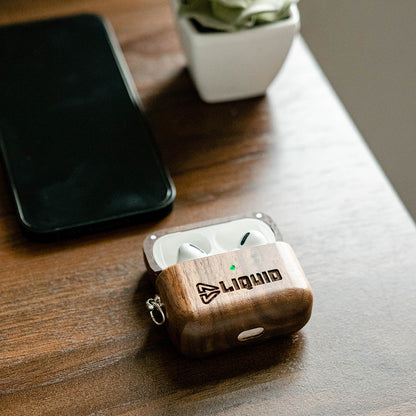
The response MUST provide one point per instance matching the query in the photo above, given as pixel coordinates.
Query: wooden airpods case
(232, 296)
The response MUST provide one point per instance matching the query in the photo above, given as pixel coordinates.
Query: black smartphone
(78, 152)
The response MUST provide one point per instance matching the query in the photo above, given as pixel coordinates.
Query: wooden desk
(75, 338)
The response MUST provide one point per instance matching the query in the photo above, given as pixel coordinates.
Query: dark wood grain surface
(279, 305)
(75, 338)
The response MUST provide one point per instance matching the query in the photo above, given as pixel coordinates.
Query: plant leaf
(232, 15)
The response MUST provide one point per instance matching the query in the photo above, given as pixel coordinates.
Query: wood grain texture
(208, 305)
(75, 338)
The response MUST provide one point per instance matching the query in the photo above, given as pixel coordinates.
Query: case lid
(213, 236)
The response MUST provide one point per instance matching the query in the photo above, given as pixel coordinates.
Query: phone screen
(76, 147)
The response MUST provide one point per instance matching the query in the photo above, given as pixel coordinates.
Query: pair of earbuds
(189, 251)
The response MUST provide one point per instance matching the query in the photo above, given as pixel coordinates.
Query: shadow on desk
(190, 132)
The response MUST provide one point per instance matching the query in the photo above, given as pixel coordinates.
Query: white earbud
(251, 239)
(189, 251)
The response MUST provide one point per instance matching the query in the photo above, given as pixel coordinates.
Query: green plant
(233, 15)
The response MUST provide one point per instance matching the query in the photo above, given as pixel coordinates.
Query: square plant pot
(228, 66)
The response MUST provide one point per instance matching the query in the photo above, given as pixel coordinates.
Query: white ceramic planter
(237, 65)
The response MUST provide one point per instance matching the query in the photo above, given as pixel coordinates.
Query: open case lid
(213, 236)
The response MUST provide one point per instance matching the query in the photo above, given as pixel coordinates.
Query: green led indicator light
(232, 267)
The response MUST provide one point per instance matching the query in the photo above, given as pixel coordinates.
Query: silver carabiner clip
(153, 304)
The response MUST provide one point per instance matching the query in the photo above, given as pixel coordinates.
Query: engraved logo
(207, 292)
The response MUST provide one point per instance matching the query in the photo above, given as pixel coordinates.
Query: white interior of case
(213, 239)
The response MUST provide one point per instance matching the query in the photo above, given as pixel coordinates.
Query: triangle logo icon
(207, 293)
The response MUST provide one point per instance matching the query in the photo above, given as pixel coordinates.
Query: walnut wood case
(232, 298)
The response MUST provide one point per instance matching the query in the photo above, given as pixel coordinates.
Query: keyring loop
(153, 304)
